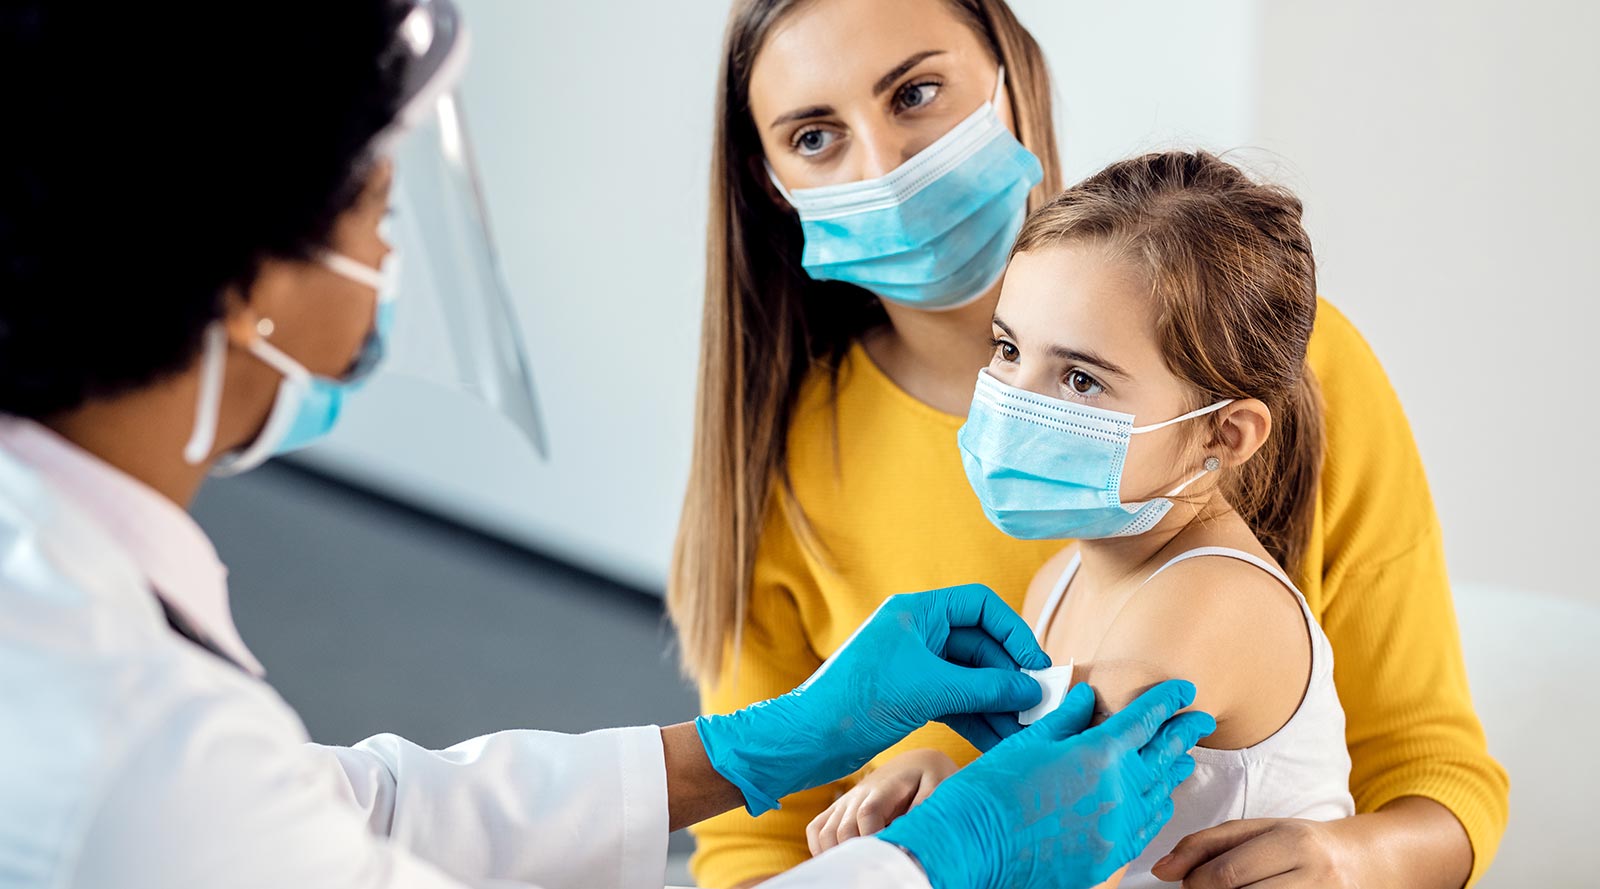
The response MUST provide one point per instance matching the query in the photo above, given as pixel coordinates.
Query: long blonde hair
(767, 326)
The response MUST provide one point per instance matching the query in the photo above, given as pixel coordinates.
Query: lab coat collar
(163, 540)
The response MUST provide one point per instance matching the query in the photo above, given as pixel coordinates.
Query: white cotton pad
(1055, 681)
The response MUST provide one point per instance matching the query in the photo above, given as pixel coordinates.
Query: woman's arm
(1377, 582)
(1400, 845)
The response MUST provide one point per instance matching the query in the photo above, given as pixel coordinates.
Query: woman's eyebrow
(802, 114)
(883, 83)
(899, 70)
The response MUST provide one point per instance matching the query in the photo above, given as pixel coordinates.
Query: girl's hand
(881, 797)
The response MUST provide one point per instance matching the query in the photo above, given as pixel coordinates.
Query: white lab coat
(130, 757)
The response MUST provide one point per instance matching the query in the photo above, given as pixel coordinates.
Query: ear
(1242, 428)
(240, 318)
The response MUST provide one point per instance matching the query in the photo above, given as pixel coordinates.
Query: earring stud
(1213, 464)
(265, 327)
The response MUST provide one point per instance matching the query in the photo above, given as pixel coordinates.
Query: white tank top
(1302, 771)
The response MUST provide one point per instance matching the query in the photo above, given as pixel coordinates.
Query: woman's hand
(1413, 842)
(880, 798)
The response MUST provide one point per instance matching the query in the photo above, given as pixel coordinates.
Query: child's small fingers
(814, 830)
(848, 828)
(876, 811)
(828, 827)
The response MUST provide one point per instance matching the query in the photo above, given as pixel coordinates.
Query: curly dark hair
(156, 155)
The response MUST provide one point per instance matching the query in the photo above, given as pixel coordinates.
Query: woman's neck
(935, 356)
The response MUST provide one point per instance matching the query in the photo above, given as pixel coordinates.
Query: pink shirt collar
(162, 540)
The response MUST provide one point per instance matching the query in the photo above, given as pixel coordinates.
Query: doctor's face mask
(314, 321)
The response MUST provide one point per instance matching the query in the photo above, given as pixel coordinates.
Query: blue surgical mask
(935, 232)
(307, 406)
(1048, 469)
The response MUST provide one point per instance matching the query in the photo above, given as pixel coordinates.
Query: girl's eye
(913, 95)
(1083, 384)
(813, 142)
(1005, 351)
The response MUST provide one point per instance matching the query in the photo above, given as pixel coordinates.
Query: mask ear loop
(356, 271)
(208, 406)
(1212, 463)
(999, 87)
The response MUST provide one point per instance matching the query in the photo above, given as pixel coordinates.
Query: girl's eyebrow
(1069, 354)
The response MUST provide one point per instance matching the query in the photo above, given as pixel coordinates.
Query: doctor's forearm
(695, 790)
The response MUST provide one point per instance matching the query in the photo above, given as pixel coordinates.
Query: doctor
(191, 280)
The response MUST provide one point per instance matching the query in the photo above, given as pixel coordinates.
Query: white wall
(592, 122)
(1445, 152)
(1439, 148)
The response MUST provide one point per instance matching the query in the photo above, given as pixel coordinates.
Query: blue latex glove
(951, 654)
(1057, 805)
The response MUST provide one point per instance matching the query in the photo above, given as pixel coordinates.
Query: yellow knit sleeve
(1382, 594)
(774, 657)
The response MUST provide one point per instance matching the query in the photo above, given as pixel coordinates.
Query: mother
(826, 474)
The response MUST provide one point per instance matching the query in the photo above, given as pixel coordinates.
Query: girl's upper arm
(1219, 623)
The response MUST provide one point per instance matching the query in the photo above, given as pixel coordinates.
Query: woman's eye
(813, 142)
(1005, 351)
(916, 94)
(1083, 384)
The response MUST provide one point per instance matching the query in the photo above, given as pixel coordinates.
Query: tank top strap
(1041, 624)
(1242, 556)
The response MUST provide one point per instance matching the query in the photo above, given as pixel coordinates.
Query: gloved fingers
(1166, 781)
(1004, 724)
(1160, 811)
(1069, 719)
(969, 647)
(976, 729)
(985, 689)
(1133, 726)
(1182, 770)
(1175, 737)
(975, 605)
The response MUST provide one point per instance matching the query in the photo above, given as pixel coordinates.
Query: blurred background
(424, 572)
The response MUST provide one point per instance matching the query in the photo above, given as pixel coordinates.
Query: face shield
(441, 228)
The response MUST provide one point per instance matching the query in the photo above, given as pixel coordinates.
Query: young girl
(1149, 398)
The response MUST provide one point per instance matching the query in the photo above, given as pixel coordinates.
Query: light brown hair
(767, 326)
(1235, 284)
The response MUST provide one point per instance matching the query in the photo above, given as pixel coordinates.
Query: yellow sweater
(887, 498)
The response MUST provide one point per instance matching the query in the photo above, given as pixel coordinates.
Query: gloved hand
(951, 654)
(1057, 805)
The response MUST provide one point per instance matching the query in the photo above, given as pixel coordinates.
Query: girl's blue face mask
(935, 232)
(1047, 469)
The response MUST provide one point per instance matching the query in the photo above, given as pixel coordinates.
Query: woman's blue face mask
(935, 232)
